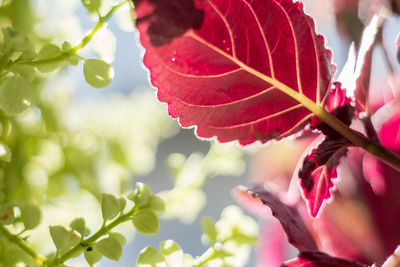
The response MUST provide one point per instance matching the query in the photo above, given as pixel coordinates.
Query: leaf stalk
(22, 244)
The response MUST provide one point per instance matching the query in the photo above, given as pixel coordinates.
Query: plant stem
(22, 244)
(353, 136)
(105, 229)
(205, 257)
(78, 47)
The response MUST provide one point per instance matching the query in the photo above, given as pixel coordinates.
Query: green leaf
(26, 71)
(15, 94)
(141, 195)
(92, 6)
(172, 252)
(110, 247)
(62, 238)
(66, 46)
(14, 41)
(92, 254)
(151, 257)
(119, 237)
(28, 55)
(122, 203)
(209, 229)
(73, 60)
(5, 152)
(31, 216)
(79, 225)
(7, 213)
(146, 222)
(242, 238)
(156, 204)
(110, 207)
(98, 73)
(48, 52)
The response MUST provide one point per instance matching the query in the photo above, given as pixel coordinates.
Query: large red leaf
(318, 259)
(229, 66)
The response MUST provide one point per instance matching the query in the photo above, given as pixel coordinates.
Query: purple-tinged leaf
(222, 65)
(318, 171)
(293, 225)
(319, 259)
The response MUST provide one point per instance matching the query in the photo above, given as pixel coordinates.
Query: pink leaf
(385, 199)
(318, 171)
(293, 225)
(236, 69)
(362, 71)
(319, 259)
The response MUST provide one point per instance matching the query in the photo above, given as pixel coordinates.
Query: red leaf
(293, 225)
(318, 171)
(319, 259)
(229, 66)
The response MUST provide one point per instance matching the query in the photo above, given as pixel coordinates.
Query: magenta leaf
(384, 198)
(318, 171)
(293, 225)
(236, 69)
(319, 259)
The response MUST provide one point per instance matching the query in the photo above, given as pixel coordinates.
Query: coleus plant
(249, 71)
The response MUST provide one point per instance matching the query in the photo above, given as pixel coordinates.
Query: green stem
(22, 244)
(205, 257)
(105, 229)
(353, 136)
(74, 50)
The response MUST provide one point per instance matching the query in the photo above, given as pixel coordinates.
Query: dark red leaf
(340, 106)
(293, 225)
(318, 171)
(231, 71)
(319, 259)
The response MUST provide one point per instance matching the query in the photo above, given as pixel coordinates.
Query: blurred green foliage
(60, 159)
